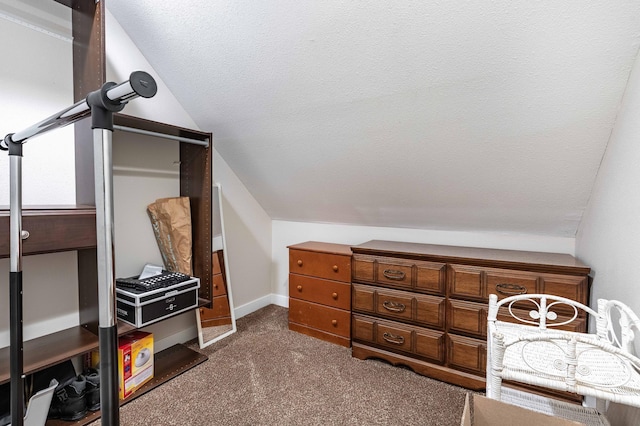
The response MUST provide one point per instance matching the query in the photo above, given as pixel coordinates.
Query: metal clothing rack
(100, 104)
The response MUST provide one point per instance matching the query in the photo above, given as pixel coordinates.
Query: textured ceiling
(459, 115)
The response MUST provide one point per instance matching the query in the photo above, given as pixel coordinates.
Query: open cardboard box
(489, 412)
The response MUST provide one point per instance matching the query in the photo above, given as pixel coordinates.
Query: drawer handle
(392, 338)
(393, 274)
(334, 295)
(335, 268)
(334, 322)
(510, 289)
(393, 306)
(299, 288)
(299, 262)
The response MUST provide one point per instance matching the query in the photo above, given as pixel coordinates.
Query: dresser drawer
(471, 318)
(219, 288)
(477, 283)
(467, 317)
(398, 337)
(427, 277)
(331, 293)
(467, 354)
(399, 305)
(216, 264)
(571, 287)
(331, 320)
(472, 282)
(219, 309)
(321, 265)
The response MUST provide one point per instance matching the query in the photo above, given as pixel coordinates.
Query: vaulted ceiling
(455, 115)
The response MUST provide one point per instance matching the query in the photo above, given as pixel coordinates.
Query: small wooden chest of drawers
(320, 291)
(425, 306)
(220, 313)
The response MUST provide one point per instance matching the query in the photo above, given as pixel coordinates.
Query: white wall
(248, 228)
(287, 233)
(609, 236)
(248, 235)
(35, 83)
(608, 239)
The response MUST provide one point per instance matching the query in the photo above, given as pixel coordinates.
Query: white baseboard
(191, 332)
(280, 300)
(180, 337)
(270, 299)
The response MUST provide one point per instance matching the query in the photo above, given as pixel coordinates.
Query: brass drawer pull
(335, 268)
(299, 262)
(509, 289)
(334, 295)
(334, 322)
(393, 274)
(392, 338)
(299, 288)
(393, 306)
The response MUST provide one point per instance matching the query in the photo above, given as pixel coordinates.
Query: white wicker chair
(534, 351)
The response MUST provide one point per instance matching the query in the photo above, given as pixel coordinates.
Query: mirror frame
(203, 344)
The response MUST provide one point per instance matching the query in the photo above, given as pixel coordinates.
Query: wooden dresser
(425, 306)
(220, 313)
(320, 291)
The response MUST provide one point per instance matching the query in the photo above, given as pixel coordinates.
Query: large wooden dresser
(320, 291)
(425, 306)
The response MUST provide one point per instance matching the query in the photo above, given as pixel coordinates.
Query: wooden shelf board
(168, 364)
(49, 350)
(52, 229)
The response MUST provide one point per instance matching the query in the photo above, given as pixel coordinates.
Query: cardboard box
(489, 412)
(135, 361)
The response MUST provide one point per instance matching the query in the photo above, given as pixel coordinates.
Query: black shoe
(5, 404)
(92, 392)
(69, 402)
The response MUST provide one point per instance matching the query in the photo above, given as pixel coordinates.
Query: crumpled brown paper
(171, 223)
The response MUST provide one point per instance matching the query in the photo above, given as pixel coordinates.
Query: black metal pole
(102, 109)
(101, 104)
(15, 283)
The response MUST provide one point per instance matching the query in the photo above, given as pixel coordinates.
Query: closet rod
(162, 135)
(142, 170)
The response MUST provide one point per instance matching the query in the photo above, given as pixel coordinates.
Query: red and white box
(135, 361)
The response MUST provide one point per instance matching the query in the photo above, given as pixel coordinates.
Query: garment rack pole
(100, 104)
(163, 135)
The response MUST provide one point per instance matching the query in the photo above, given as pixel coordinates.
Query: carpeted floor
(267, 375)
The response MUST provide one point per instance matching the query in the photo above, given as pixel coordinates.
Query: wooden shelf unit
(73, 228)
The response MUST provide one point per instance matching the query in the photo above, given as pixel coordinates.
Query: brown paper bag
(171, 222)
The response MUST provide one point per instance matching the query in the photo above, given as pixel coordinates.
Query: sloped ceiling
(455, 115)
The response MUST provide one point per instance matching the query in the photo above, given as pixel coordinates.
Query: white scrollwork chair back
(538, 349)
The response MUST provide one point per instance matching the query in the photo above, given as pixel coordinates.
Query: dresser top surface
(455, 253)
(317, 246)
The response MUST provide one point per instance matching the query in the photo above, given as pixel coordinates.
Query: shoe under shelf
(168, 364)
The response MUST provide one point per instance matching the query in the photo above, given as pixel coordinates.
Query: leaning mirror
(217, 320)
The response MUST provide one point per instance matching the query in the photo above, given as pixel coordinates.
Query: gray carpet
(267, 375)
